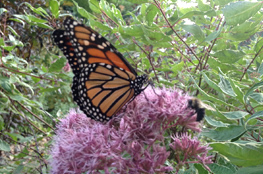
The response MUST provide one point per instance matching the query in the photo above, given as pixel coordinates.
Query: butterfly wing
(104, 89)
(92, 47)
(64, 44)
(104, 81)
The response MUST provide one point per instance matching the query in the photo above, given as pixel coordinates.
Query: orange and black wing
(91, 47)
(64, 44)
(104, 89)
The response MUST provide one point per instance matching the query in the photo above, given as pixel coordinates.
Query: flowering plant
(150, 130)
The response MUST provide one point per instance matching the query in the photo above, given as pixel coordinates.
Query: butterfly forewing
(94, 47)
(66, 47)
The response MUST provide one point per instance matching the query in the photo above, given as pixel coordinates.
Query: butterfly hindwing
(104, 89)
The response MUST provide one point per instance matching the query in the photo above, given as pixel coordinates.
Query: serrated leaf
(239, 12)
(4, 146)
(224, 133)
(57, 66)
(249, 154)
(235, 115)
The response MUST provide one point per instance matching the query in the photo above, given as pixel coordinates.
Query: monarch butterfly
(104, 81)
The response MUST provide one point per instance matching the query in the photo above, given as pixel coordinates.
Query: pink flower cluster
(132, 142)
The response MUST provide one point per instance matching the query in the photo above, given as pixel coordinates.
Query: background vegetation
(210, 49)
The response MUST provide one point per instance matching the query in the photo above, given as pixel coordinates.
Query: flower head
(131, 142)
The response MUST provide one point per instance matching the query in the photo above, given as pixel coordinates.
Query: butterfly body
(103, 80)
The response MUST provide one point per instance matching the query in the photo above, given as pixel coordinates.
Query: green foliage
(212, 49)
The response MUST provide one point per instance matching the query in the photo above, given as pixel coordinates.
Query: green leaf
(211, 83)
(249, 154)
(208, 97)
(225, 67)
(191, 14)
(216, 168)
(239, 12)
(213, 35)
(195, 30)
(44, 26)
(39, 10)
(223, 2)
(18, 169)
(94, 6)
(258, 46)
(83, 12)
(225, 86)
(54, 7)
(177, 67)
(258, 97)
(2, 123)
(229, 56)
(235, 115)
(202, 6)
(49, 89)
(5, 84)
(215, 123)
(151, 12)
(139, 1)
(200, 169)
(134, 30)
(251, 90)
(224, 133)
(250, 170)
(2, 10)
(32, 18)
(256, 115)
(13, 31)
(4, 146)
(237, 90)
(58, 65)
